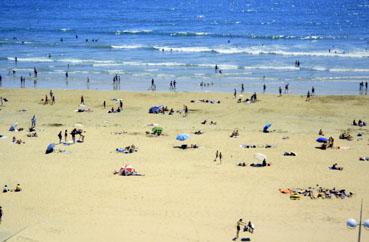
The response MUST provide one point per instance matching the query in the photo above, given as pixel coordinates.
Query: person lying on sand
(198, 132)
(125, 172)
(364, 158)
(185, 146)
(243, 164)
(262, 164)
(289, 154)
(336, 167)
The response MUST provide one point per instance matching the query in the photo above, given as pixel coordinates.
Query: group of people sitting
(112, 110)
(17, 141)
(252, 99)
(198, 132)
(6, 189)
(128, 149)
(346, 135)
(211, 122)
(317, 192)
(234, 133)
(328, 144)
(262, 164)
(207, 101)
(186, 146)
(359, 123)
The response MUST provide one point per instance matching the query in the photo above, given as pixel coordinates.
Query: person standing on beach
(121, 104)
(65, 135)
(82, 100)
(53, 99)
(238, 228)
(280, 91)
(308, 96)
(234, 93)
(312, 91)
(104, 104)
(264, 88)
(185, 110)
(286, 88)
(1, 80)
(242, 88)
(1, 213)
(174, 84)
(60, 137)
(220, 157)
(33, 121)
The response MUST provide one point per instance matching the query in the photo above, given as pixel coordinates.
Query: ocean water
(253, 42)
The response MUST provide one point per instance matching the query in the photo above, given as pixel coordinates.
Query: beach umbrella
(182, 137)
(322, 140)
(157, 130)
(260, 156)
(266, 127)
(50, 148)
(13, 127)
(155, 109)
(128, 169)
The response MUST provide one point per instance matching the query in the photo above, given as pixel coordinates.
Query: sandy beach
(184, 195)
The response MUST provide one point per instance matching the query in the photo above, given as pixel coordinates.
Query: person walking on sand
(104, 104)
(65, 135)
(234, 93)
(220, 157)
(308, 96)
(60, 137)
(1, 213)
(216, 155)
(82, 100)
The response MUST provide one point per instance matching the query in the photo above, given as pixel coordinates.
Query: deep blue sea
(253, 42)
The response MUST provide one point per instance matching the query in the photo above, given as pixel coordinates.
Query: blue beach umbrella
(50, 148)
(322, 140)
(266, 127)
(182, 137)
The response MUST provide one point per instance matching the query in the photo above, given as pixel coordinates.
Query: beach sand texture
(184, 195)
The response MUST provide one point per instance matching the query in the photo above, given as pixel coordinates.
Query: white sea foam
(133, 31)
(31, 59)
(127, 46)
(265, 50)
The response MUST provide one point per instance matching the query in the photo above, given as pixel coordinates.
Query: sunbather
(336, 167)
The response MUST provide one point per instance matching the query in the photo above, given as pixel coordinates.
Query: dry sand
(184, 195)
